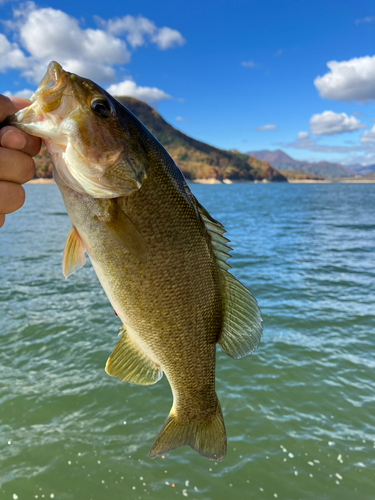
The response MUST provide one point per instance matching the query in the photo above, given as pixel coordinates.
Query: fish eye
(101, 108)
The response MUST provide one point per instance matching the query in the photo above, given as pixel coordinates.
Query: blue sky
(245, 75)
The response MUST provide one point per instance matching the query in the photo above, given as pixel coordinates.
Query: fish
(159, 255)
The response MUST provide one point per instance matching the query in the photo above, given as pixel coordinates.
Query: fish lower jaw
(40, 128)
(53, 147)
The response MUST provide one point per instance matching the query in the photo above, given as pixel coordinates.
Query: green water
(299, 413)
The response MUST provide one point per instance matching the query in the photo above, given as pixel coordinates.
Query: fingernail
(13, 140)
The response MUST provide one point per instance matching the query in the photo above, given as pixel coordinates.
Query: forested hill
(196, 159)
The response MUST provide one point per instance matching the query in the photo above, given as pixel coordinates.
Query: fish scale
(159, 255)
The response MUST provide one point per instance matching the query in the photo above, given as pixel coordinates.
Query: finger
(12, 197)
(12, 138)
(2, 220)
(10, 105)
(20, 102)
(7, 107)
(16, 166)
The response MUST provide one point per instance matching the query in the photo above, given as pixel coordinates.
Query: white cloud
(181, 119)
(266, 127)
(151, 95)
(27, 93)
(86, 51)
(166, 38)
(352, 80)
(368, 19)
(138, 29)
(369, 136)
(304, 141)
(102, 73)
(329, 123)
(45, 34)
(248, 64)
(365, 159)
(11, 57)
(279, 52)
(135, 28)
(302, 136)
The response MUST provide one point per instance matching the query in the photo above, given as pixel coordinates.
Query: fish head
(85, 130)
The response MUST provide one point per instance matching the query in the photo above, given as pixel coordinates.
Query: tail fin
(207, 437)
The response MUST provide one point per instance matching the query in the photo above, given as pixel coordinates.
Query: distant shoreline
(344, 180)
(41, 181)
(211, 181)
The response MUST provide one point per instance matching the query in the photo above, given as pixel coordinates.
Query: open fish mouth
(46, 99)
(51, 106)
(50, 79)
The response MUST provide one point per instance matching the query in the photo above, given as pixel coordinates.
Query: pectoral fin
(129, 364)
(127, 234)
(74, 253)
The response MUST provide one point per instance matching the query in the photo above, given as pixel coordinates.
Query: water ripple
(299, 412)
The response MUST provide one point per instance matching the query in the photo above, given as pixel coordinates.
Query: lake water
(299, 412)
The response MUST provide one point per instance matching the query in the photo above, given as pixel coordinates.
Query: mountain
(361, 169)
(278, 159)
(326, 169)
(369, 175)
(281, 161)
(196, 159)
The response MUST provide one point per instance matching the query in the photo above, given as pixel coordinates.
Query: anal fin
(74, 253)
(129, 364)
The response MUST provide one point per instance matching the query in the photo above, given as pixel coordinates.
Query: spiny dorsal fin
(74, 253)
(129, 364)
(242, 322)
(216, 231)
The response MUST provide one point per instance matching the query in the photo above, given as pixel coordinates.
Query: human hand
(16, 163)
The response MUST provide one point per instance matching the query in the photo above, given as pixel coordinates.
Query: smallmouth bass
(159, 256)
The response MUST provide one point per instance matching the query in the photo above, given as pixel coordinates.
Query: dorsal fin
(242, 323)
(216, 231)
